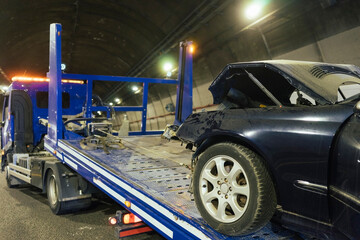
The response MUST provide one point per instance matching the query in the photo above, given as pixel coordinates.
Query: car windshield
(347, 91)
(323, 79)
(284, 83)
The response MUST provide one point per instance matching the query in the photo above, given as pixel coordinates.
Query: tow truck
(51, 139)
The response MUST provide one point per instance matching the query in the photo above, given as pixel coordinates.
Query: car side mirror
(356, 108)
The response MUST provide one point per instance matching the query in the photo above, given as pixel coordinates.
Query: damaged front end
(247, 91)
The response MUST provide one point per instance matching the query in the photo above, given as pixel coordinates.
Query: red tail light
(130, 218)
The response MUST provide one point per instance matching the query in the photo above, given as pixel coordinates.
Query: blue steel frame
(169, 222)
(184, 87)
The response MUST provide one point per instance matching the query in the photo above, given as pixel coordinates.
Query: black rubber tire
(60, 207)
(262, 201)
(55, 205)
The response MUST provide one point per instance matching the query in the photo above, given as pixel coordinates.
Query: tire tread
(266, 199)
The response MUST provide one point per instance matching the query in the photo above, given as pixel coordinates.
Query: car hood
(319, 80)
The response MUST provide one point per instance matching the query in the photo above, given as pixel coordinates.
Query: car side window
(300, 98)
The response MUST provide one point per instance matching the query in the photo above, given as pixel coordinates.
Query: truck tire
(233, 189)
(53, 194)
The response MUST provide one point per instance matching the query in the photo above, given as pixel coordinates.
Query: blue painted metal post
(184, 88)
(89, 88)
(55, 125)
(145, 101)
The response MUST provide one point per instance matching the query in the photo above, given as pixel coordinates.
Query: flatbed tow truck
(148, 176)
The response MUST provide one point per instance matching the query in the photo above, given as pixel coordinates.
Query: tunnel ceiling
(132, 38)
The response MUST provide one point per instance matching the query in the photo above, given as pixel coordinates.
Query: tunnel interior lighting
(253, 10)
(111, 104)
(167, 67)
(117, 100)
(4, 88)
(135, 88)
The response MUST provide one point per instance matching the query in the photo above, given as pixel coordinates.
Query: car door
(344, 185)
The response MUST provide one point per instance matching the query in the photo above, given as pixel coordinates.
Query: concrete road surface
(25, 214)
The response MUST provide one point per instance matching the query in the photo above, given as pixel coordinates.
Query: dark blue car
(285, 140)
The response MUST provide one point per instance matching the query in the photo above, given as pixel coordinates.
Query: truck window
(42, 100)
(6, 108)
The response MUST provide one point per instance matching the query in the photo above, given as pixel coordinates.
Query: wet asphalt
(25, 214)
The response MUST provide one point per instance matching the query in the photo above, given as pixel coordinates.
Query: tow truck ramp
(149, 177)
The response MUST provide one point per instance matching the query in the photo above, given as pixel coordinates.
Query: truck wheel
(233, 189)
(52, 190)
(60, 207)
(9, 179)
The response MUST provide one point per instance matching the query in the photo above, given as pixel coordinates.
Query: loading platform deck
(153, 175)
(149, 177)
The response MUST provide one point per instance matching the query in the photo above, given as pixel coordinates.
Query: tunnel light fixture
(167, 67)
(117, 100)
(111, 104)
(4, 88)
(135, 88)
(254, 10)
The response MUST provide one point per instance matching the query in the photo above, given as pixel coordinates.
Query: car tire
(233, 189)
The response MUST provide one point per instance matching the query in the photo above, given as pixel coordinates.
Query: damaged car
(285, 139)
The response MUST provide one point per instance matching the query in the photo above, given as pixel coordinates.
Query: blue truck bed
(149, 177)
(152, 174)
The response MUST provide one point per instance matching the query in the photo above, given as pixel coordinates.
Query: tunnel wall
(340, 48)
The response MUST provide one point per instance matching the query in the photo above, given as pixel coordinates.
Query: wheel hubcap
(53, 192)
(224, 189)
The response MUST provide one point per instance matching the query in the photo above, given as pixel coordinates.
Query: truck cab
(26, 108)
(24, 126)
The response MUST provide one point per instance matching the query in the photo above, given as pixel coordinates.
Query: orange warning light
(192, 49)
(128, 204)
(37, 79)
